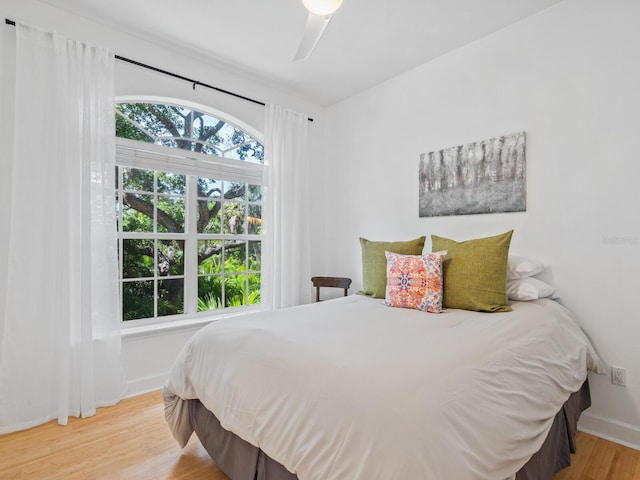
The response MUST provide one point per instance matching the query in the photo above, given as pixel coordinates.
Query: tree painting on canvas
(481, 177)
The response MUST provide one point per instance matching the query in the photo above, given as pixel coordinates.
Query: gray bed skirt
(242, 461)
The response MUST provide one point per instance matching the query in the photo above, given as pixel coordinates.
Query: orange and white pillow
(415, 281)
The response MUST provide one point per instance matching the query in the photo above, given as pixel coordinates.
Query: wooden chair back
(333, 282)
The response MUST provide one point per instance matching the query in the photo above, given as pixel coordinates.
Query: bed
(353, 389)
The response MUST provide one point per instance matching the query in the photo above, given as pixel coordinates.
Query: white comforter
(350, 389)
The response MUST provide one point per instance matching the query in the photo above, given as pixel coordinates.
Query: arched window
(189, 205)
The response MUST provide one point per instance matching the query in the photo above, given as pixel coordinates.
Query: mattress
(351, 388)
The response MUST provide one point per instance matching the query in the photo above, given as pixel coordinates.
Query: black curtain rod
(175, 75)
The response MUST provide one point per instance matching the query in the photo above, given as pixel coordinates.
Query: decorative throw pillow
(475, 272)
(374, 262)
(414, 281)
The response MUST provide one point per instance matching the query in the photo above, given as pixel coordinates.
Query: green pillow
(475, 272)
(374, 262)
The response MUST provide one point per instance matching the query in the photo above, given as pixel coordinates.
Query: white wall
(148, 358)
(570, 77)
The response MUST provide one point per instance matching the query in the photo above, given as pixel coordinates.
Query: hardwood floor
(127, 441)
(598, 459)
(132, 441)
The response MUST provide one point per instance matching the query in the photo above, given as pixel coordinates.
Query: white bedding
(352, 389)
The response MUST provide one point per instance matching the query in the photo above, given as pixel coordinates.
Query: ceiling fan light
(322, 7)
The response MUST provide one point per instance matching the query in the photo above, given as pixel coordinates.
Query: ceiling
(366, 42)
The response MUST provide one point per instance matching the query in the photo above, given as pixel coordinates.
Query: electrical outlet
(619, 376)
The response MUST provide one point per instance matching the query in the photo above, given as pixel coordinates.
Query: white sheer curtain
(286, 247)
(59, 307)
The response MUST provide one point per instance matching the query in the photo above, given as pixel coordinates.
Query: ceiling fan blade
(313, 30)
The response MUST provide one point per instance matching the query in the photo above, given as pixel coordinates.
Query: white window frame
(148, 156)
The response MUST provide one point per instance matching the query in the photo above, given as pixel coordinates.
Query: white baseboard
(609, 429)
(145, 385)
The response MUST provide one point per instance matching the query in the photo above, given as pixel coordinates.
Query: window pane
(171, 214)
(209, 256)
(251, 152)
(255, 256)
(209, 188)
(254, 289)
(234, 256)
(255, 193)
(235, 290)
(210, 150)
(234, 215)
(171, 183)
(138, 213)
(210, 292)
(170, 256)
(170, 297)
(209, 217)
(255, 219)
(126, 129)
(137, 258)
(233, 190)
(136, 180)
(155, 118)
(150, 117)
(137, 300)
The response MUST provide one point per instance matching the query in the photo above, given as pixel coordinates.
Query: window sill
(167, 328)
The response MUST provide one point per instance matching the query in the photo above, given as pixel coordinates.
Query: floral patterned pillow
(415, 281)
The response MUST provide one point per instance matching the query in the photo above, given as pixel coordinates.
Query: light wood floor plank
(600, 465)
(626, 465)
(599, 459)
(585, 445)
(132, 441)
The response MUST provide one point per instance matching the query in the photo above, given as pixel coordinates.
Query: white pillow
(522, 267)
(528, 288)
